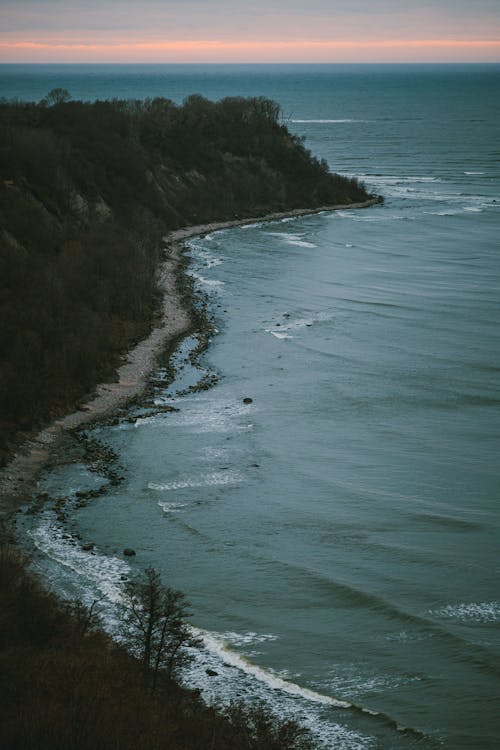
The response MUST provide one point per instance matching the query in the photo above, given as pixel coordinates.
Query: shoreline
(17, 478)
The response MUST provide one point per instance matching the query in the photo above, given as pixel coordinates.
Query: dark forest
(87, 190)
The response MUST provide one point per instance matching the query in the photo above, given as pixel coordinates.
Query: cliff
(86, 192)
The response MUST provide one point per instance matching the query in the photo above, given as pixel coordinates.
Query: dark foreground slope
(66, 686)
(86, 192)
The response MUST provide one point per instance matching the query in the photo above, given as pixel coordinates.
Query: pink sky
(265, 31)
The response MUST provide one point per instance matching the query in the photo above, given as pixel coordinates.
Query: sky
(183, 31)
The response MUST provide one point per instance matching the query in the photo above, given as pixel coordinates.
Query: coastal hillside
(86, 192)
(67, 686)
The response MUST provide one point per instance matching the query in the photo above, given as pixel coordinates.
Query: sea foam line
(105, 573)
(470, 612)
(205, 480)
(318, 121)
(231, 658)
(218, 647)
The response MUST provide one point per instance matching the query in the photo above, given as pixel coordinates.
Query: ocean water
(338, 537)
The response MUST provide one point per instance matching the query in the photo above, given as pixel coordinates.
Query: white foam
(204, 256)
(238, 678)
(235, 675)
(211, 453)
(405, 636)
(327, 121)
(351, 681)
(248, 639)
(458, 211)
(397, 179)
(171, 507)
(278, 334)
(298, 323)
(301, 243)
(213, 262)
(450, 212)
(292, 239)
(204, 480)
(201, 414)
(370, 219)
(470, 611)
(474, 173)
(217, 645)
(206, 282)
(102, 572)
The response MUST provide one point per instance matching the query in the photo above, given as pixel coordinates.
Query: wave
(171, 507)
(231, 674)
(203, 415)
(206, 282)
(426, 189)
(292, 239)
(278, 334)
(445, 212)
(396, 179)
(376, 303)
(326, 121)
(469, 612)
(352, 596)
(249, 638)
(205, 480)
(104, 573)
(254, 225)
(372, 219)
(356, 680)
(301, 243)
(283, 693)
(297, 324)
(211, 453)
(232, 658)
(451, 522)
(204, 256)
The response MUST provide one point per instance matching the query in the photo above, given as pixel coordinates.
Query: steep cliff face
(86, 192)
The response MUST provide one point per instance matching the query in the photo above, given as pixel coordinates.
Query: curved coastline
(17, 478)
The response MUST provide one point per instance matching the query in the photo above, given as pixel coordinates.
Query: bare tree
(56, 96)
(85, 619)
(155, 625)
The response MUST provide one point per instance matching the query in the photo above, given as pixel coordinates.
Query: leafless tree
(155, 624)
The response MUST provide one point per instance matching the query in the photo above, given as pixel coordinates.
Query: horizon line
(210, 51)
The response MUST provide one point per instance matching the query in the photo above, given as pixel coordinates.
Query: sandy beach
(18, 477)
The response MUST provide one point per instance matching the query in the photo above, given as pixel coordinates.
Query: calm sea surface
(338, 537)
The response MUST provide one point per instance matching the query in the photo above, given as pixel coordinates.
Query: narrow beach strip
(17, 477)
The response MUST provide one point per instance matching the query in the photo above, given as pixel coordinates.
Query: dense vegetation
(86, 192)
(66, 686)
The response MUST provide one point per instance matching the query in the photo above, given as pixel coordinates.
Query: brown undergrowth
(65, 685)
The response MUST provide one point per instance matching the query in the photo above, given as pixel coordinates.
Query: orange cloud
(125, 50)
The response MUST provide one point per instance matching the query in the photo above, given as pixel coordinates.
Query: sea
(337, 536)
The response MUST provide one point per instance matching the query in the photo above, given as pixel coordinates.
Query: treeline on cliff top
(86, 192)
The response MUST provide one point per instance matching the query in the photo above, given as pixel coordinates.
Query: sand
(18, 478)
